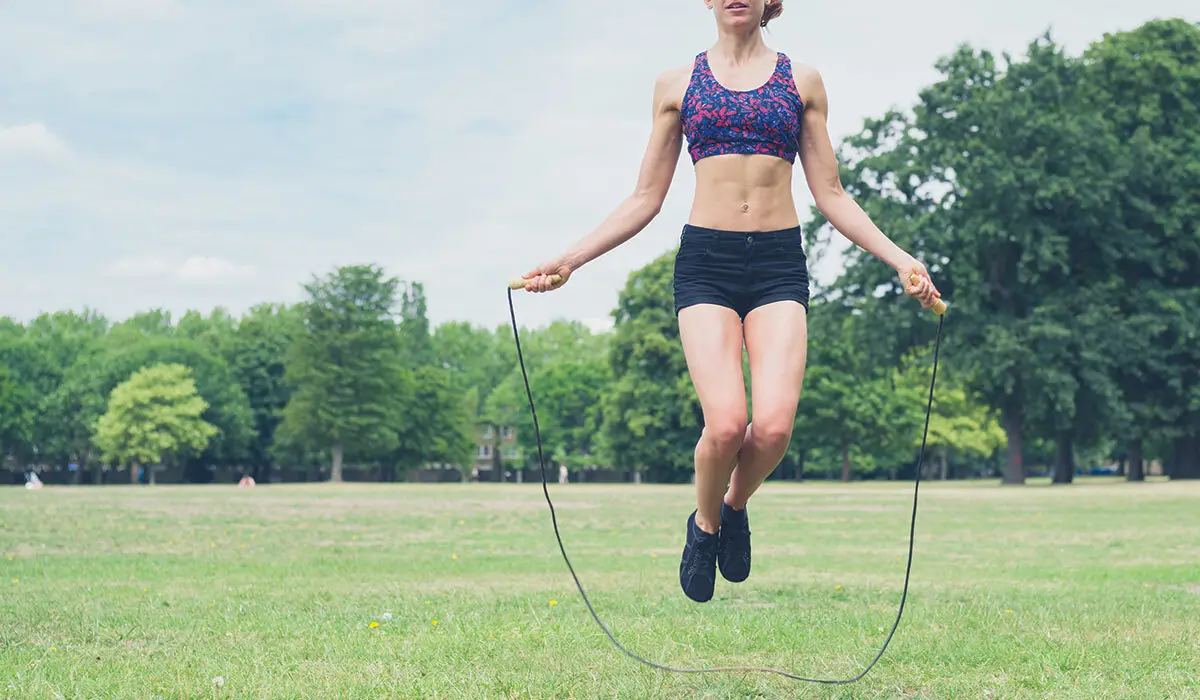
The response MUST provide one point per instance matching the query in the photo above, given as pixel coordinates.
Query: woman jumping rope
(741, 275)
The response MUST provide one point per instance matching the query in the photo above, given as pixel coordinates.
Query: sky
(187, 154)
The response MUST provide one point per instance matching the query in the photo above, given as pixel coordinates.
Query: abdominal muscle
(744, 193)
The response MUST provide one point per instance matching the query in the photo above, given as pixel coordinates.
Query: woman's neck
(739, 48)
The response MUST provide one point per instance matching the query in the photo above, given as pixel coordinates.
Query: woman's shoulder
(671, 83)
(807, 78)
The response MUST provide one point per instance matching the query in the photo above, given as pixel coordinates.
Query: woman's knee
(726, 431)
(772, 433)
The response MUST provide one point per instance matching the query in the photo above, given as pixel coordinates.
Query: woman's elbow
(648, 203)
(830, 200)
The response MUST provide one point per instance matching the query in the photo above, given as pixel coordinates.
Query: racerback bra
(766, 120)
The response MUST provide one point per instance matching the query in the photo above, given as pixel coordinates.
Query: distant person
(741, 272)
(562, 473)
(247, 482)
(32, 481)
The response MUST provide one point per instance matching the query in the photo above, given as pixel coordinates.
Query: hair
(773, 9)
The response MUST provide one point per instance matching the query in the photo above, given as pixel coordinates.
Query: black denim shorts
(740, 270)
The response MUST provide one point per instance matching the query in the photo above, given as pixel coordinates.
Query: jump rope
(939, 308)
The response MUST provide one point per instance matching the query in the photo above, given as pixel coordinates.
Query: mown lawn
(459, 591)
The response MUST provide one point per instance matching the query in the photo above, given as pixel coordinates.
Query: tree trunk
(133, 473)
(1014, 468)
(150, 471)
(1185, 461)
(637, 476)
(845, 461)
(1064, 460)
(98, 474)
(945, 465)
(1135, 469)
(335, 472)
(800, 466)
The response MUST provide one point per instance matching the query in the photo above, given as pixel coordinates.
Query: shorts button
(749, 239)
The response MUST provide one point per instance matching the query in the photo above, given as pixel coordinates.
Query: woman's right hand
(547, 276)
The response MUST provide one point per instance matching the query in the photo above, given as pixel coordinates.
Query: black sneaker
(698, 568)
(733, 550)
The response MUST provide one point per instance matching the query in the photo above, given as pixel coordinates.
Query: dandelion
(653, 604)
(553, 602)
(354, 537)
(53, 648)
(454, 557)
(213, 545)
(462, 522)
(145, 590)
(654, 556)
(427, 602)
(16, 580)
(1008, 612)
(435, 621)
(837, 587)
(373, 624)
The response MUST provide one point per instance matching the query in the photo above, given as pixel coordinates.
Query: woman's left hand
(923, 290)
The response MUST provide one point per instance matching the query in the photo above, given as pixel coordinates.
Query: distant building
(495, 451)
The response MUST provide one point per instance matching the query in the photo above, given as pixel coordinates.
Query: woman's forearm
(625, 222)
(852, 222)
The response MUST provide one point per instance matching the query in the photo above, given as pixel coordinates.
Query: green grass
(1087, 591)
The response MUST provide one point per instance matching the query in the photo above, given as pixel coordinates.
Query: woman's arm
(642, 205)
(824, 180)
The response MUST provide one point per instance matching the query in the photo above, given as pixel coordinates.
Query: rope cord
(554, 519)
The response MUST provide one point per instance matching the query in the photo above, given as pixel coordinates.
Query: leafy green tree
(345, 368)
(958, 425)
(476, 358)
(153, 417)
(1145, 84)
(434, 426)
(416, 343)
(16, 416)
(651, 417)
(850, 407)
(256, 351)
(1006, 180)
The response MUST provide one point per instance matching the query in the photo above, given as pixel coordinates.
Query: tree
(850, 407)
(416, 344)
(569, 374)
(958, 425)
(651, 417)
(16, 418)
(153, 417)
(1005, 179)
(434, 425)
(345, 367)
(255, 351)
(1145, 84)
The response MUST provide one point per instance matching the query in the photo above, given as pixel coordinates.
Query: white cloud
(33, 139)
(139, 267)
(209, 270)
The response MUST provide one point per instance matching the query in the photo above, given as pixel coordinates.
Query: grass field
(459, 591)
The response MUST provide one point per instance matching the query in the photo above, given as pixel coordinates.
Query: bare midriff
(744, 193)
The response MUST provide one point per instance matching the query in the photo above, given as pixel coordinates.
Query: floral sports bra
(766, 120)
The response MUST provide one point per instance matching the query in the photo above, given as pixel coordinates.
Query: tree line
(1054, 198)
